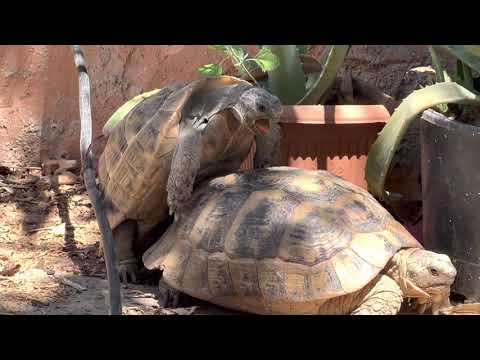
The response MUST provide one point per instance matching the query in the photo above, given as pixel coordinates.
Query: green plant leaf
(211, 70)
(288, 80)
(467, 77)
(123, 110)
(322, 84)
(382, 151)
(267, 60)
(238, 52)
(469, 54)
(437, 65)
(324, 55)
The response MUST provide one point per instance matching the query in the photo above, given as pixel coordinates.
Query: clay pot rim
(334, 114)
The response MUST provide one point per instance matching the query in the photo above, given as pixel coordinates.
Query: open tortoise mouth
(262, 126)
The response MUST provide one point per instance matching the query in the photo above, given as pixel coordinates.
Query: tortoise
(282, 240)
(176, 136)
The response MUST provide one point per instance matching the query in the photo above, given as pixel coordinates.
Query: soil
(50, 258)
(50, 261)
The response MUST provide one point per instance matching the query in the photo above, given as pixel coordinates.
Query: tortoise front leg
(185, 165)
(267, 147)
(384, 298)
(123, 237)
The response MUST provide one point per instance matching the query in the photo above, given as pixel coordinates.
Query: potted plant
(332, 137)
(450, 142)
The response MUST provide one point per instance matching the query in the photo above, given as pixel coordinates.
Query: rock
(8, 268)
(67, 178)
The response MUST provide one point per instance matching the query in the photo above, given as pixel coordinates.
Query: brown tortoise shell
(135, 165)
(277, 238)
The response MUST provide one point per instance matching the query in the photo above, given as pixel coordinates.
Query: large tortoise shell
(281, 235)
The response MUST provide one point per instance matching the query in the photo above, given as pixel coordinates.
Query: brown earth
(49, 254)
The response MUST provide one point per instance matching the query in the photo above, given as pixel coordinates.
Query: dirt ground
(49, 253)
(50, 259)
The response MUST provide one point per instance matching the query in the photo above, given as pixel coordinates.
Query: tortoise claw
(128, 272)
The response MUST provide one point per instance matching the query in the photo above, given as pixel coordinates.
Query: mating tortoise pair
(277, 240)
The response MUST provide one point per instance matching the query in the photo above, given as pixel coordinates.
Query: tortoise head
(426, 276)
(257, 108)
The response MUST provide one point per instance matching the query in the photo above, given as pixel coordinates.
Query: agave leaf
(439, 74)
(437, 65)
(123, 110)
(287, 81)
(469, 54)
(317, 92)
(384, 148)
(322, 59)
(467, 77)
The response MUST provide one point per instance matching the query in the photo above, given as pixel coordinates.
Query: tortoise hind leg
(185, 165)
(127, 264)
(384, 298)
(267, 147)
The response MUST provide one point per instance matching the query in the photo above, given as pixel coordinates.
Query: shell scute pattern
(313, 236)
(258, 226)
(214, 235)
(283, 246)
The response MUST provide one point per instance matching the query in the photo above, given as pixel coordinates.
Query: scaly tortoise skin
(170, 140)
(290, 241)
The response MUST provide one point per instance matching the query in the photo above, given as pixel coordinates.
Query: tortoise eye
(433, 271)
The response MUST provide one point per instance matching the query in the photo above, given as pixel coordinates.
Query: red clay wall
(39, 98)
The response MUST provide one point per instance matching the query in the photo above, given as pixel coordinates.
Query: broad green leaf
(382, 151)
(288, 80)
(334, 62)
(211, 70)
(467, 77)
(469, 54)
(439, 74)
(311, 79)
(123, 110)
(437, 65)
(446, 76)
(266, 60)
(324, 55)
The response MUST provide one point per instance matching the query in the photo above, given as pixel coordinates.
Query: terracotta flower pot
(333, 138)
